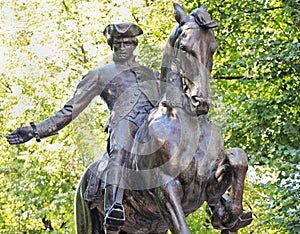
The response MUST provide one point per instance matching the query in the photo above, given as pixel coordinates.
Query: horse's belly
(143, 226)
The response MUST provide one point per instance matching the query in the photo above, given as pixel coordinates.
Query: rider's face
(123, 48)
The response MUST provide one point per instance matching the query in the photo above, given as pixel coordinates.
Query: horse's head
(193, 45)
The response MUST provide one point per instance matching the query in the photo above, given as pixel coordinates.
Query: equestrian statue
(176, 160)
(164, 157)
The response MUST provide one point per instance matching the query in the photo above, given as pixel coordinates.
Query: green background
(46, 46)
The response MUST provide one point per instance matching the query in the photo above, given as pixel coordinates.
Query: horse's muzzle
(202, 108)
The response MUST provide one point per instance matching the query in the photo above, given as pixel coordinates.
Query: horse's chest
(193, 187)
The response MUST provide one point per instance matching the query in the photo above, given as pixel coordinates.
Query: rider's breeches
(120, 143)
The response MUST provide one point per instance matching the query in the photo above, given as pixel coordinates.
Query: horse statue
(177, 161)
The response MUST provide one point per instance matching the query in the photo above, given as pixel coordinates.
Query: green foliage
(47, 46)
(43, 56)
(199, 222)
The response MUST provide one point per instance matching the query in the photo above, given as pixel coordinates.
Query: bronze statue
(177, 160)
(164, 156)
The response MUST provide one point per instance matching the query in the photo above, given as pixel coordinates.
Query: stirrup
(115, 216)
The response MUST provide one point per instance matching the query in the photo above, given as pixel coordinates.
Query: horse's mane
(166, 64)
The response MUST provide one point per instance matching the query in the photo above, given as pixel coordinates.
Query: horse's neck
(171, 82)
(172, 90)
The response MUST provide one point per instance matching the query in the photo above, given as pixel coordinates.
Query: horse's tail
(83, 221)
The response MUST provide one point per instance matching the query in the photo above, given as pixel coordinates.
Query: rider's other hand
(19, 136)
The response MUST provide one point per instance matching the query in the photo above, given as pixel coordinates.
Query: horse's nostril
(198, 100)
(200, 104)
(195, 100)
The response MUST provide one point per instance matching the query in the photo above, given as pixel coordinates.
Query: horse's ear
(180, 16)
(204, 7)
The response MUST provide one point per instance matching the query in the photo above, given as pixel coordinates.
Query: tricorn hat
(121, 30)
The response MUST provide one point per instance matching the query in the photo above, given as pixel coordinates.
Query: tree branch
(221, 6)
(231, 77)
(65, 5)
(136, 19)
(85, 60)
(7, 86)
(264, 9)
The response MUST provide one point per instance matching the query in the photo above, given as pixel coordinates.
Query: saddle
(96, 184)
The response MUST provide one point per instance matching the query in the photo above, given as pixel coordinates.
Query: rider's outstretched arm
(86, 90)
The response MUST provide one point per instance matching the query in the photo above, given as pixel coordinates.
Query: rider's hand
(21, 135)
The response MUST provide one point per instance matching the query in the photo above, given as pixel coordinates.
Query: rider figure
(130, 91)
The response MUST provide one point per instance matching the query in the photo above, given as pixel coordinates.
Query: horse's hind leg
(168, 198)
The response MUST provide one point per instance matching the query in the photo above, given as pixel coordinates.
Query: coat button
(136, 94)
(131, 101)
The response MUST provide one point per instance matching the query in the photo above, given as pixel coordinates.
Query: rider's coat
(123, 87)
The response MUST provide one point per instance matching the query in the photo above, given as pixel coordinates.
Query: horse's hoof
(244, 220)
(222, 219)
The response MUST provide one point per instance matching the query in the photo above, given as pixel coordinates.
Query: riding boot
(114, 210)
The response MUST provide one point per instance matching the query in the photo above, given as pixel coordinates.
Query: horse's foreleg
(169, 201)
(228, 211)
(218, 184)
(239, 164)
